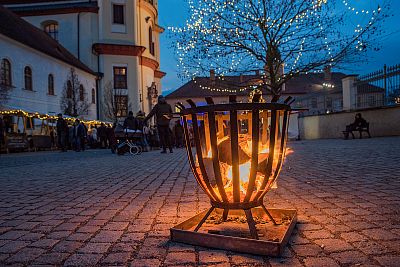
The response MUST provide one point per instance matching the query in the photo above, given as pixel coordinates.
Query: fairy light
(210, 41)
(37, 115)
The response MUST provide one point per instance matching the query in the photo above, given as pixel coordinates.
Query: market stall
(34, 131)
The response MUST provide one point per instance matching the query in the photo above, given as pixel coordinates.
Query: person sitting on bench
(359, 124)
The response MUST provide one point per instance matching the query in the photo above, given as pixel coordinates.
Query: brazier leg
(268, 214)
(225, 215)
(251, 223)
(204, 219)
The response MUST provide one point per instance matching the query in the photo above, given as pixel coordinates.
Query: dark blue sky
(174, 13)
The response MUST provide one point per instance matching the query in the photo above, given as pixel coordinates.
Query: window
(314, 102)
(120, 78)
(151, 43)
(121, 103)
(93, 96)
(81, 93)
(118, 14)
(69, 90)
(328, 102)
(52, 30)
(28, 78)
(51, 84)
(5, 72)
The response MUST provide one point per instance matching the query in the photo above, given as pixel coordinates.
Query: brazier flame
(239, 151)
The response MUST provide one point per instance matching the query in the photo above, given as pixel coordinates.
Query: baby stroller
(127, 141)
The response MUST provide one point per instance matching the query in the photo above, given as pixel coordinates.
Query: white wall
(42, 65)
(98, 28)
(68, 33)
(382, 122)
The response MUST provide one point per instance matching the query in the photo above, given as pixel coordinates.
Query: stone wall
(383, 122)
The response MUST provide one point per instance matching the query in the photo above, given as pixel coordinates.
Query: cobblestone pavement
(95, 208)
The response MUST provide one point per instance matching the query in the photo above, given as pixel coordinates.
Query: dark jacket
(130, 123)
(79, 131)
(163, 112)
(111, 136)
(62, 126)
(102, 131)
(178, 130)
(140, 122)
(360, 122)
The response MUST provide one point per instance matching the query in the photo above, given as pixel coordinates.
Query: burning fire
(245, 145)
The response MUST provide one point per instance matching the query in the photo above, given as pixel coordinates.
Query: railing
(385, 82)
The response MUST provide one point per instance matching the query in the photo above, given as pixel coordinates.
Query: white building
(36, 68)
(117, 39)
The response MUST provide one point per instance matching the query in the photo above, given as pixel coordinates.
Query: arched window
(69, 89)
(93, 96)
(81, 93)
(51, 84)
(151, 43)
(28, 78)
(5, 73)
(51, 28)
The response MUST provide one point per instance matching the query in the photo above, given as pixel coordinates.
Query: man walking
(62, 129)
(163, 112)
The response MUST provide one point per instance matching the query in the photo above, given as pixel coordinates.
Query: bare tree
(277, 39)
(112, 106)
(73, 99)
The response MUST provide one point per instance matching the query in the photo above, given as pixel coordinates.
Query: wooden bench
(362, 129)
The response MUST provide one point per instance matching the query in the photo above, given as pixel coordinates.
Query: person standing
(83, 136)
(62, 129)
(140, 125)
(79, 135)
(112, 140)
(93, 136)
(178, 131)
(102, 134)
(163, 112)
(130, 123)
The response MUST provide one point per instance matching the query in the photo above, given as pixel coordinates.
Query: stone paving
(98, 209)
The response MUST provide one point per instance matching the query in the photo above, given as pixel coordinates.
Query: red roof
(25, 33)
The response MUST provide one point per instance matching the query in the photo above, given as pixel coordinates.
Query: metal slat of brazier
(215, 157)
(191, 158)
(262, 125)
(285, 128)
(254, 155)
(199, 153)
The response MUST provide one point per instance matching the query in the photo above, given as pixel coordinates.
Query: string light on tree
(242, 37)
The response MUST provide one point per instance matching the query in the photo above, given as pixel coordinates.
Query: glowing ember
(245, 145)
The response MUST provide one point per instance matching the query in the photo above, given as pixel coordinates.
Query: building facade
(116, 39)
(35, 69)
(315, 93)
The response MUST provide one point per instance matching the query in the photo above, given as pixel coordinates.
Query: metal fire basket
(236, 151)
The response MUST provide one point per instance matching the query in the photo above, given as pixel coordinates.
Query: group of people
(77, 136)
(162, 135)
